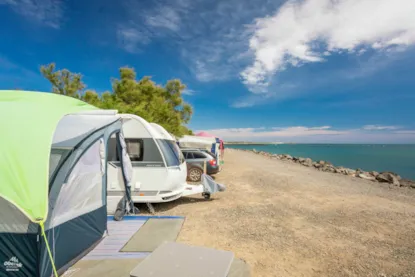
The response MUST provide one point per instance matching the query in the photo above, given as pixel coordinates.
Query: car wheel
(195, 174)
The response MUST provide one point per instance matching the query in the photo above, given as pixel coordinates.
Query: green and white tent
(53, 171)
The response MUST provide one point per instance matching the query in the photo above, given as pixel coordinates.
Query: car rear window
(198, 155)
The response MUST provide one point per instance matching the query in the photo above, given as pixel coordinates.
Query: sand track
(285, 219)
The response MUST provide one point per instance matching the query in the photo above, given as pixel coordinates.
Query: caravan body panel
(158, 175)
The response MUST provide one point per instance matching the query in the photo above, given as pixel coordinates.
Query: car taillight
(212, 162)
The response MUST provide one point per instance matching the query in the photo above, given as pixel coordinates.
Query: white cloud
(148, 22)
(276, 132)
(379, 127)
(408, 132)
(210, 38)
(310, 31)
(47, 12)
(188, 92)
(164, 17)
(324, 134)
(131, 38)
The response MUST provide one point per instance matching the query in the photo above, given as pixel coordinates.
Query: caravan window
(140, 150)
(135, 149)
(176, 150)
(172, 159)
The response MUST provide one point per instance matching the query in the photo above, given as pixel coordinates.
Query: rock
(374, 173)
(366, 177)
(322, 162)
(316, 165)
(349, 171)
(328, 168)
(286, 157)
(307, 162)
(393, 173)
(388, 177)
(407, 183)
(254, 150)
(301, 159)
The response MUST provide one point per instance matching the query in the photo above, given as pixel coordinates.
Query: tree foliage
(163, 105)
(63, 81)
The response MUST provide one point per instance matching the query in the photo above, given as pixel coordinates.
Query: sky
(338, 71)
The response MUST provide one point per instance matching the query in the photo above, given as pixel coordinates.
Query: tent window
(56, 157)
(86, 177)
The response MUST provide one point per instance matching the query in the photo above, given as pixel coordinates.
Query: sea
(398, 158)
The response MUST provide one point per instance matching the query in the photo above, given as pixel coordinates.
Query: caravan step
(176, 260)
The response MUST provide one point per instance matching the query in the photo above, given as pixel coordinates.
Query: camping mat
(119, 232)
(239, 268)
(105, 267)
(153, 233)
(180, 260)
(122, 268)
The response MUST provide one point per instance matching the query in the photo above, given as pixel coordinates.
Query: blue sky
(298, 71)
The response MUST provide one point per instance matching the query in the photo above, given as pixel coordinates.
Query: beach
(288, 220)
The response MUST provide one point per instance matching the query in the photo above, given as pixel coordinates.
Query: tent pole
(42, 227)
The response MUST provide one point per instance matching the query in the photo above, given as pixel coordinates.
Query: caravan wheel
(195, 174)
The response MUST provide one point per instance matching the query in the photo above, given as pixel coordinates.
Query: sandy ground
(285, 219)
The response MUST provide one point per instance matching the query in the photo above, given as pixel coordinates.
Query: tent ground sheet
(110, 258)
(126, 234)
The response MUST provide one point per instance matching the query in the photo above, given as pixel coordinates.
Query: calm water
(378, 157)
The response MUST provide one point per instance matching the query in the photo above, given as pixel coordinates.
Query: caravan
(159, 166)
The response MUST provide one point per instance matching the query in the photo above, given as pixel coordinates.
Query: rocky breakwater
(381, 177)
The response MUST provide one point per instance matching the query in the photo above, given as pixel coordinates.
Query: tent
(204, 134)
(52, 180)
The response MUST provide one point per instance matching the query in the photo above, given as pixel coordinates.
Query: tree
(63, 81)
(163, 105)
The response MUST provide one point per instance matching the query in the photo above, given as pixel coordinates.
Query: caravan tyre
(195, 174)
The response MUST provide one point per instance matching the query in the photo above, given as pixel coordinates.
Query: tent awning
(29, 120)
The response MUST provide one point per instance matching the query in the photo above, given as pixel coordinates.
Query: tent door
(120, 173)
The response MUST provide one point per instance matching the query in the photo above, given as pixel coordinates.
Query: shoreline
(379, 177)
